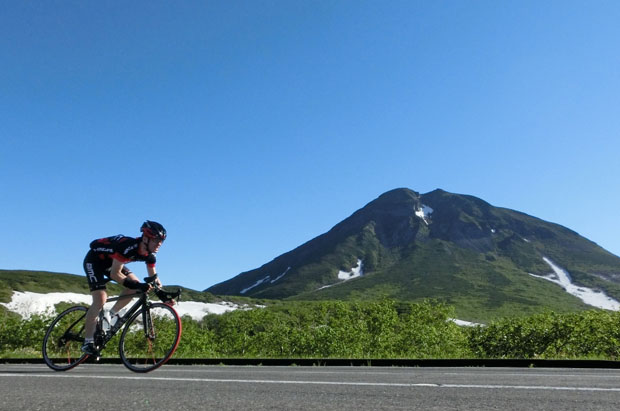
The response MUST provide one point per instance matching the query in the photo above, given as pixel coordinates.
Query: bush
(338, 330)
(20, 337)
(373, 330)
(588, 334)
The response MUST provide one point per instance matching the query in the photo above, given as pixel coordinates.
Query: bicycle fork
(147, 320)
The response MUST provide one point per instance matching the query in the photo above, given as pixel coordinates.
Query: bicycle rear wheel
(64, 338)
(150, 337)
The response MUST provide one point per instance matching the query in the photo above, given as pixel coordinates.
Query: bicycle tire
(145, 348)
(62, 344)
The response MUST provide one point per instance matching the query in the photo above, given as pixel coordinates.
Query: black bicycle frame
(72, 335)
(142, 301)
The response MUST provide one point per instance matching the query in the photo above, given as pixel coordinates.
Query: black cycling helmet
(151, 229)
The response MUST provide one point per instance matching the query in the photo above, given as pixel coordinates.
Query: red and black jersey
(119, 247)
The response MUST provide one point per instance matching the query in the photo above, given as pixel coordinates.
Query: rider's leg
(99, 297)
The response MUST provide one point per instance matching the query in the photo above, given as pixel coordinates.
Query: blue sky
(249, 127)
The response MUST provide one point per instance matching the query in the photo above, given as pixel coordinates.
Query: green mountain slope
(47, 282)
(465, 252)
(39, 282)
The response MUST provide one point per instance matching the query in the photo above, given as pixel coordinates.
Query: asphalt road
(109, 387)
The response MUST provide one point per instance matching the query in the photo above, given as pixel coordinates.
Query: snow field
(27, 304)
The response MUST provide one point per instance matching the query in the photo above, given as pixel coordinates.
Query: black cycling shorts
(96, 273)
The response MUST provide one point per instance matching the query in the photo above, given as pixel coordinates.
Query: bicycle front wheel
(150, 337)
(64, 338)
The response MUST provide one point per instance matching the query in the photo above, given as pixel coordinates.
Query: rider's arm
(117, 274)
(152, 272)
(116, 271)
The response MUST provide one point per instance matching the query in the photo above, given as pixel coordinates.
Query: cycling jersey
(103, 251)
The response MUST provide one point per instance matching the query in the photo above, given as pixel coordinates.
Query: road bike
(150, 335)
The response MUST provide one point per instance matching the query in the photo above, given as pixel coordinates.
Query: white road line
(364, 384)
(534, 375)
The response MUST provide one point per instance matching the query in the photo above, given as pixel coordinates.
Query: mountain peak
(434, 245)
(393, 216)
(399, 194)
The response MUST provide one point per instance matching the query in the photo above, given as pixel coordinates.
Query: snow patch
(589, 296)
(424, 213)
(27, 304)
(326, 286)
(355, 272)
(464, 323)
(264, 280)
(197, 310)
(280, 276)
(256, 284)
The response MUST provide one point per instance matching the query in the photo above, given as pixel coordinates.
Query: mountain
(486, 261)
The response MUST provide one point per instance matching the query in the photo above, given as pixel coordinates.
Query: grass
(39, 282)
(46, 282)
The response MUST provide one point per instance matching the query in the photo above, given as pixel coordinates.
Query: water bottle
(105, 321)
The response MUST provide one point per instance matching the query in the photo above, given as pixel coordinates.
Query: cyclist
(106, 261)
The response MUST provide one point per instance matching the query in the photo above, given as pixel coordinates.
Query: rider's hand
(153, 280)
(165, 297)
(136, 285)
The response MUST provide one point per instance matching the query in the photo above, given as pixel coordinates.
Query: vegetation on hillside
(41, 282)
(367, 330)
(47, 282)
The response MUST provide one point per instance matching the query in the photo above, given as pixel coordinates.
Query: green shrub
(20, 336)
(373, 330)
(337, 329)
(587, 334)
